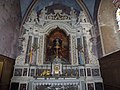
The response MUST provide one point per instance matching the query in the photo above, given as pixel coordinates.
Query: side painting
(1, 68)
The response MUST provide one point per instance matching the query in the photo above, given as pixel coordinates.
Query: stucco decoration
(20, 60)
(42, 21)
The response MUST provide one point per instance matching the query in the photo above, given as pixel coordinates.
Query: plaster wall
(9, 27)
(107, 27)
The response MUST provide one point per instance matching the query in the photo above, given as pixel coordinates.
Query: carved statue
(73, 13)
(42, 16)
(43, 13)
(73, 16)
(82, 17)
(20, 60)
(33, 18)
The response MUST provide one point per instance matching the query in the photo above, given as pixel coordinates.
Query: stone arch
(67, 28)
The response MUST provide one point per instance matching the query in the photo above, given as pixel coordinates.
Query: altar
(57, 53)
(53, 84)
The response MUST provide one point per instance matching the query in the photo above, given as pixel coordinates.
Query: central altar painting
(57, 44)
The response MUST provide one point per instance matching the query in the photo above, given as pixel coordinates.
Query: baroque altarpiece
(58, 53)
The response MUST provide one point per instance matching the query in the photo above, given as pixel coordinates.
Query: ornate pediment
(58, 15)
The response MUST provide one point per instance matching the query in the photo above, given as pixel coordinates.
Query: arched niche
(57, 39)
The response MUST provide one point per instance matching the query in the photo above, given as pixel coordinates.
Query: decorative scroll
(58, 16)
(20, 59)
(40, 56)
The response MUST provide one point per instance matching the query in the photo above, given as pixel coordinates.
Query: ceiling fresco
(90, 4)
(24, 5)
(46, 3)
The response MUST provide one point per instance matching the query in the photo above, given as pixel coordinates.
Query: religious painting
(38, 72)
(88, 72)
(23, 86)
(81, 72)
(90, 86)
(1, 68)
(18, 72)
(98, 86)
(25, 72)
(32, 72)
(95, 72)
(57, 45)
(15, 86)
